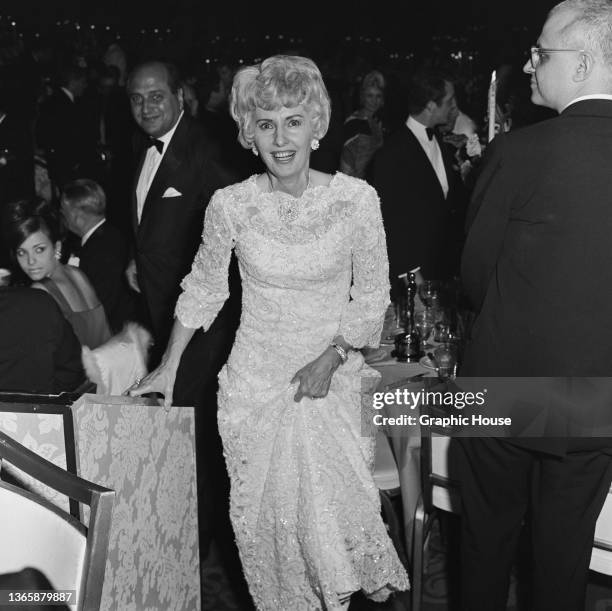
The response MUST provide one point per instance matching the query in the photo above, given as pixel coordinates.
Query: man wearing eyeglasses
(537, 267)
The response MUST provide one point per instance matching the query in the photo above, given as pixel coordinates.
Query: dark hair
(70, 72)
(173, 77)
(426, 86)
(24, 217)
(109, 71)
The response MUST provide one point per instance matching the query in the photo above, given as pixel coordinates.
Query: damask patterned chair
(37, 534)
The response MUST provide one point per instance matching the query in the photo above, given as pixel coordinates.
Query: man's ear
(78, 218)
(584, 68)
(181, 97)
(431, 106)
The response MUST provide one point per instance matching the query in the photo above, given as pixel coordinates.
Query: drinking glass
(446, 361)
(424, 323)
(429, 294)
(392, 323)
(442, 332)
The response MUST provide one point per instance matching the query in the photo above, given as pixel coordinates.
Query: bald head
(155, 97)
(588, 25)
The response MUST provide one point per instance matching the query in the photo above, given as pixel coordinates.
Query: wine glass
(429, 294)
(424, 323)
(446, 361)
(392, 323)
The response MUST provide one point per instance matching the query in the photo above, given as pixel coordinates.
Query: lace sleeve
(205, 288)
(362, 319)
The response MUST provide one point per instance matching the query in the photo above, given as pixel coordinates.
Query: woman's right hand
(160, 380)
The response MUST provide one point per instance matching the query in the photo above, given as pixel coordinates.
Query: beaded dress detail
(304, 507)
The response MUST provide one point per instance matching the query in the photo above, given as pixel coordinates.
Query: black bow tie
(429, 132)
(158, 144)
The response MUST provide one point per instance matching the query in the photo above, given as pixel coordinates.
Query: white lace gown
(304, 507)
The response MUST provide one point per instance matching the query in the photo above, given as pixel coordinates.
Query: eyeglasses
(538, 52)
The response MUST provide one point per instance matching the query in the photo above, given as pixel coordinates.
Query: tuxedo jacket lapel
(170, 163)
(161, 181)
(415, 151)
(448, 158)
(143, 154)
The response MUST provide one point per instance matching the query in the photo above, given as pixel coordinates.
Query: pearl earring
(58, 254)
(255, 151)
(314, 145)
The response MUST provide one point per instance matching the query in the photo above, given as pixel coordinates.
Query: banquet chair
(387, 480)
(439, 493)
(36, 534)
(401, 456)
(601, 556)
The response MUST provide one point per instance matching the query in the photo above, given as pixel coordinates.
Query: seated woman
(32, 231)
(363, 131)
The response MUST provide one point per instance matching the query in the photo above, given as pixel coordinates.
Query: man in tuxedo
(16, 154)
(16, 160)
(102, 251)
(61, 129)
(536, 267)
(176, 176)
(421, 193)
(109, 120)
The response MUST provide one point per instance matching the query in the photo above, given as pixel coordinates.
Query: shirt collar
(68, 93)
(418, 129)
(593, 96)
(88, 234)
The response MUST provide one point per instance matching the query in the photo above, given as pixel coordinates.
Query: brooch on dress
(288, 211)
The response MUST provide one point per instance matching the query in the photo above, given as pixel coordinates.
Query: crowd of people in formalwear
(212, 214)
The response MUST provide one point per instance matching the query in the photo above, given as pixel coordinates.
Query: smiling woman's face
(283, 139)
(36, 256)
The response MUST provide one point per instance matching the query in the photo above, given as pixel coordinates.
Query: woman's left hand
(314, 379)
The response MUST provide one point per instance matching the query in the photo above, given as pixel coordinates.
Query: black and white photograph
(304, 306)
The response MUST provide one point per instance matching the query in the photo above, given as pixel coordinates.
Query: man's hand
(132, 276)
(314, 379)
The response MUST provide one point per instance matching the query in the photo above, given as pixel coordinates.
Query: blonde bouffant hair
(279, 81)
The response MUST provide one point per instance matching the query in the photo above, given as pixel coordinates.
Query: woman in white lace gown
(313, 263)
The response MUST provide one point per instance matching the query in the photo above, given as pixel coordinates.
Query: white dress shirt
(432, 150)
(149, 168)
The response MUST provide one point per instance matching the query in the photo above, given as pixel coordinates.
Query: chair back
(438, 489)
(386, 475)
(37, 534)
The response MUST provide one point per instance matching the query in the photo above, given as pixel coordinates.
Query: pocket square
(171, 192)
